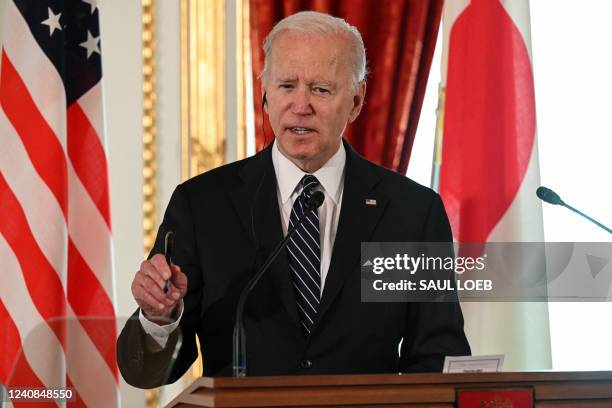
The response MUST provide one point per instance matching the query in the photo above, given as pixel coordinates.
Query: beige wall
(121, 58)
(122, 65)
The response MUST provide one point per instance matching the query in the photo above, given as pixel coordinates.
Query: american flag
(57, 316)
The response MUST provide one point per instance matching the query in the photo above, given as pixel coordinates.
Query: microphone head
(546, 194)
(315, 200)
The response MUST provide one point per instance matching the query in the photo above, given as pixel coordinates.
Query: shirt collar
(330, 175)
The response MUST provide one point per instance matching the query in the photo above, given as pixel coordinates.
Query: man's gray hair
(315, 23)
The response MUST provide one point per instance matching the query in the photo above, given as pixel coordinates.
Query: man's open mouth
(301, 130)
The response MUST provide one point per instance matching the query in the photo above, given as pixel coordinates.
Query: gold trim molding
(149, 126)
(243, 74)
(149, 153)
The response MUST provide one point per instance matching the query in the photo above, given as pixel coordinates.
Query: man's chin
(301, 156)
(299, 151)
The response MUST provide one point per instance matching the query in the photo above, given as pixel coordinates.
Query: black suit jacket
(227, 221)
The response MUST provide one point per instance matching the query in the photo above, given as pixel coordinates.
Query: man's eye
(285, 86)
(321, 90)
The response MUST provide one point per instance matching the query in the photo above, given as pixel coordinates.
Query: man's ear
(264, 98)
(358, 99)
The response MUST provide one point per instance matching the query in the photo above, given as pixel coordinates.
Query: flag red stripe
(91, 303)
(88, 159)
(42, 145)
(10, 344)
(21, 374)
(87, 296)
(41, 279)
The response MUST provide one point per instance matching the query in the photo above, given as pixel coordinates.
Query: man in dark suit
(305, 316)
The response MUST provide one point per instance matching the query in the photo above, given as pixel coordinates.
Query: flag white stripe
(92, 238)
(83, 360)
(41, 347)
(90, 102)
(37, 72)
(42, 210)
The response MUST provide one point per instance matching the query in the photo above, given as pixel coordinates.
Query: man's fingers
(148, 268)
(152, 288)
(153, 307)
(145, 299)
(179, 279)
(147, 287)
(159, 261)
(151, 304)
(145, 283)
(148, 296)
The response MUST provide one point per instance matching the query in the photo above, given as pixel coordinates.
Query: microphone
(546, 194)
(313, 202)
(549, 196)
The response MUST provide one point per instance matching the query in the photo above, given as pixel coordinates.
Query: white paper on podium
(473, 364)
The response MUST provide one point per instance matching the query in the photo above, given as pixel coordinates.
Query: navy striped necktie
(304, 250)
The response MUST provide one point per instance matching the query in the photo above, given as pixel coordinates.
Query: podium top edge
(400, 378)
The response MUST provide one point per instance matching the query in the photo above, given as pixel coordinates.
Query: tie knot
(309, 183)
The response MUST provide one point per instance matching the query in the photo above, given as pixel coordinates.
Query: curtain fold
(400, 37)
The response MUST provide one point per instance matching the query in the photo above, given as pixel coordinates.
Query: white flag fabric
(489, 167)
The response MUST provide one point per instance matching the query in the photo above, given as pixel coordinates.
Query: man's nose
(301, 103)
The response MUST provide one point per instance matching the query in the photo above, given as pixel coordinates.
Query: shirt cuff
(160, 333)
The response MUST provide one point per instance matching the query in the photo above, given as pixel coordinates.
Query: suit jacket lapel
(258, 195)
(356, 224)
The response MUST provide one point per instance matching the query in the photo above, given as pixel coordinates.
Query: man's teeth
(300, 130)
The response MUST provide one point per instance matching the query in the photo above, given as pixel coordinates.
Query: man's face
(310, 97)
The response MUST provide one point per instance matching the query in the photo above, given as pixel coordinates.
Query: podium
(431, 390)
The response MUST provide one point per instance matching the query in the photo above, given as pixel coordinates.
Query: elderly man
(305, 316)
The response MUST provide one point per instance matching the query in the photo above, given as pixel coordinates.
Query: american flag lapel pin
(370, 201)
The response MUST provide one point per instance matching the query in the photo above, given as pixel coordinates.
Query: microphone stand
(239, 337)
(549, 196)
(599, 224)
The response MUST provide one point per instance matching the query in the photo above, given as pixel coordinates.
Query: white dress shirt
(331, 179)
(288, 177)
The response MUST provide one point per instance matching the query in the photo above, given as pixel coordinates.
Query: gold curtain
(204, 88)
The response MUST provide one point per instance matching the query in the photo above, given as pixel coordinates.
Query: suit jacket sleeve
(435, 329)
(139, 365)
